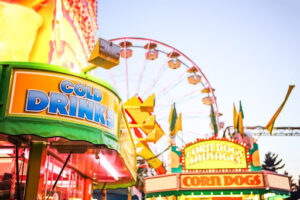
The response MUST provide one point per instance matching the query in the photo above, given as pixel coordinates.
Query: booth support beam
(88, 191)
(59, 175)
(37, 158)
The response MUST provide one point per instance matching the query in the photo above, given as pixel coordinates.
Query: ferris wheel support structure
(124, 39)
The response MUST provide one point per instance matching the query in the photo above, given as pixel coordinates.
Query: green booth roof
(50, 126)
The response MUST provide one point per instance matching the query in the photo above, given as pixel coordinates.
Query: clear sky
(248, 50)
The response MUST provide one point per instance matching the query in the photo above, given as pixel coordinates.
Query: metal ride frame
(205, 83)
(261, 131)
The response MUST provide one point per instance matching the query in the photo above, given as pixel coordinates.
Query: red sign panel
(218, 181)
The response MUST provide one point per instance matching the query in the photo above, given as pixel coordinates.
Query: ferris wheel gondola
(151, 67)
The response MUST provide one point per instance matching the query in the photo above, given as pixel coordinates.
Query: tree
(295, 187)
(271, 163)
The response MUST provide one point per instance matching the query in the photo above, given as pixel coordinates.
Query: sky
(248, 50)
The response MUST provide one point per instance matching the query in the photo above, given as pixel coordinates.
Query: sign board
(280, 182)
(161, 183)
(208, 181)
(215, 154)
(57, 96)
(222, 181)
(105, 54)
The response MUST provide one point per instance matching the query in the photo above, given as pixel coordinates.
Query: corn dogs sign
(217, 181)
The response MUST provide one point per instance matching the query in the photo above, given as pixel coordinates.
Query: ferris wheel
(151, 67)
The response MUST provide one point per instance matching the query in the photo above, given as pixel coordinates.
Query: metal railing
(261, 131)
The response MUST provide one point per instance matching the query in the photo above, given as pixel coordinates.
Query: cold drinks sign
(50, 95)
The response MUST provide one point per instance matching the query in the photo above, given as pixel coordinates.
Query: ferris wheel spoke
(187, 95)
(171, 84)
(188, 99)
(126, 69)
(180, 138)
(114, 81)
(169, 89)
(157, 76)
(189, 114)
(142, 70)
(138, 85)
(193, 134)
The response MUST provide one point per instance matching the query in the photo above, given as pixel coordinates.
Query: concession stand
(217, 169)
(62, 134)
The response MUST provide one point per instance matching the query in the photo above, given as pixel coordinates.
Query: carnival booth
(61, 134)
(62, 131)
(217, 169)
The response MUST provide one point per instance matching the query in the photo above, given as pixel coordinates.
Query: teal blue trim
(251, 151)
(178, 152)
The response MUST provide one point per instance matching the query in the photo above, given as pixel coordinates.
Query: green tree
(271, 162)
(295, 188)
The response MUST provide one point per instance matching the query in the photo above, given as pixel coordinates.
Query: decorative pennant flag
(240, 125)
(175, 121)
(270, 125)
(172, 118)
(235, 118)
(241, 110)
(178, 125)
(213, 120)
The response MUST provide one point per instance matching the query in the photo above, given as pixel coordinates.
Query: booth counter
(217, 169)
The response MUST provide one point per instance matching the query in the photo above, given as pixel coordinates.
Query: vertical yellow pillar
(37, 158)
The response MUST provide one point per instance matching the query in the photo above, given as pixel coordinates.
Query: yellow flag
(178, 125)
(270, 125)
(235, 118)
(241, 127)
(152, 136)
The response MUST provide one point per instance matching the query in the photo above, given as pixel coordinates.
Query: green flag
(172, 118)
(213, 120)
(240, 118)
(241, 109)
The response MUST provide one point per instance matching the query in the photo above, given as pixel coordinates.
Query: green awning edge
(60, 69)
(53, 128)
(215, 192)
(114, 185)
